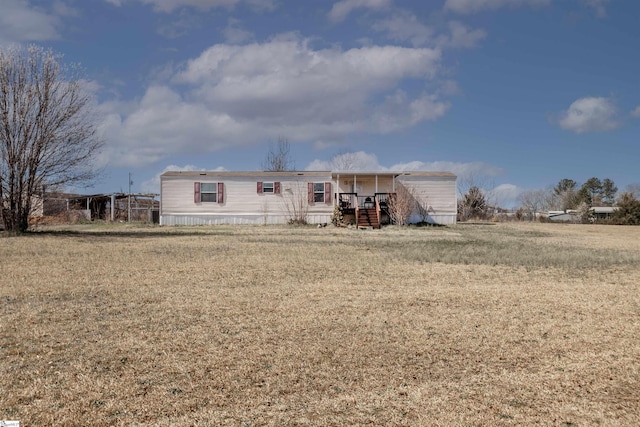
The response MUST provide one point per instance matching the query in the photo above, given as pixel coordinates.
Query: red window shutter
(220, 192)
(259, 187)
(196, 192)
(276, 187)
(310, 193)
(327, 193)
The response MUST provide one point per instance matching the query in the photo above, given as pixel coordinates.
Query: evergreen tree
(628, 211)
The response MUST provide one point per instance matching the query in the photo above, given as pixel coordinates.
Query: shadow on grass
(428, 224)
(127, 233)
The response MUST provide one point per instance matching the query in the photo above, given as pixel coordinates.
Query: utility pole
(129, 200)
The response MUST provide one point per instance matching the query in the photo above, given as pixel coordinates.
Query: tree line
(566, 196)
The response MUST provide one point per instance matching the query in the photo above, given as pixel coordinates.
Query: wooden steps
(368, 218)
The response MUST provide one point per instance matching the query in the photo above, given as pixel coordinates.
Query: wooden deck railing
(353, 201)
(348, 200)
(383, 200)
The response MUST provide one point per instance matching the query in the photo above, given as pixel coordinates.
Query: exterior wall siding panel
(437, 194)
(242, 204)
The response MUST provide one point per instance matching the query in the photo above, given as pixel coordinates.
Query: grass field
(526, 324)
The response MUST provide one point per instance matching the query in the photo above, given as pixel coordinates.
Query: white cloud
(179, 25)
(168, 6)
(236, 95)
(350, 161)
(234, 33)
(636, 112)
(21, 22)
(61, 8)
(363, 161)
(404, 26)
(589, 114)
(399, 112)
(342, 9)
(599, 6)
(462, 170)
(461, 36)
(504, 195)
(473, 6)
(153, 185)
(163, 124)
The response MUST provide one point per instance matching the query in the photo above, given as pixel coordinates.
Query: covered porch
(365, 196)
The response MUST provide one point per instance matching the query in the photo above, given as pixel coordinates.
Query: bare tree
(402, 204)
(295, 203)
(534, 201)
(47, 130)
(583, 211)
(344, 161)
(278, 158)
(634, 189)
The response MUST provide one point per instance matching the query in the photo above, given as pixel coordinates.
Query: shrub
(628, 212)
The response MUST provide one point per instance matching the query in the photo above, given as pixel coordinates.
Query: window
(267, 187)
(209, 192)
(318, 192)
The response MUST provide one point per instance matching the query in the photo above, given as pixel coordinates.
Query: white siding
(437, 194)
(241, 202)
(243, 205)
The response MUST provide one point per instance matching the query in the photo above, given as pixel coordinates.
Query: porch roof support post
(393, 184)
(355, 183)
(376, 183)
(335, 199)
(113, 207)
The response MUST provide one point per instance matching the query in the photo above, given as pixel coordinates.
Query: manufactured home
(213, 197)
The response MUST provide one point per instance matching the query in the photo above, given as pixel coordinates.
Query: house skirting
(247, 219)
(253, 219)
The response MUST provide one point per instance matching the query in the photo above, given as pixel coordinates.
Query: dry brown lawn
(527, 324)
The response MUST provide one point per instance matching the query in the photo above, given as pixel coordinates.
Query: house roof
(246, 173)
(303, 173)
(603, 209)
(393, 173)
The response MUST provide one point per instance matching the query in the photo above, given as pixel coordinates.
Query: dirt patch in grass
(257, 326)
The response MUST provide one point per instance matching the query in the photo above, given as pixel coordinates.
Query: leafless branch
(402, 204)
(47, 131)
(278, 158)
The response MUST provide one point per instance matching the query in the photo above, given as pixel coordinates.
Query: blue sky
(512, 94)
